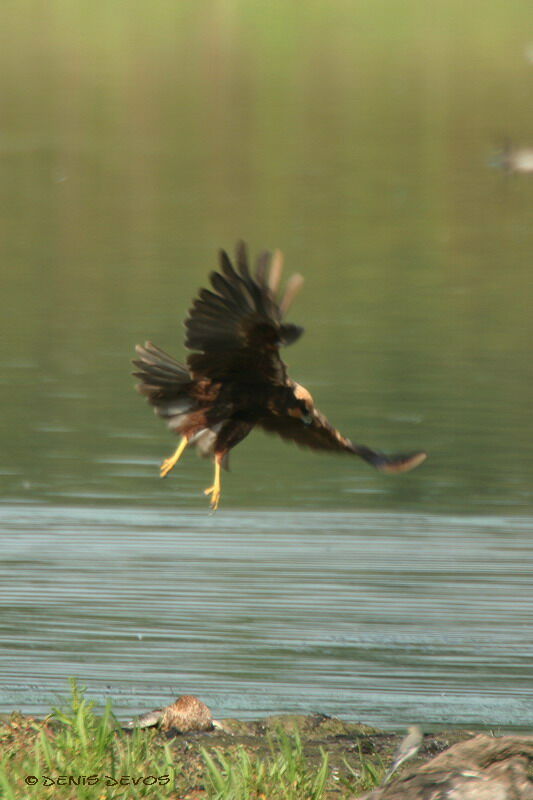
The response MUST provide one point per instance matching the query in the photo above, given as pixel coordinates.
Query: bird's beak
(297, 413)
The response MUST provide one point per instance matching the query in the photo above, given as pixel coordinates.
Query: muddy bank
(347, 744)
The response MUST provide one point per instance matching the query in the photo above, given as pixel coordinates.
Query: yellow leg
(215, 489)
(170, 463)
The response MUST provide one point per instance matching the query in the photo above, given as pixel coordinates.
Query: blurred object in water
(513, 159)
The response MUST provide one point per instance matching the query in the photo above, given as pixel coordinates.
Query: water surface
(386, 618)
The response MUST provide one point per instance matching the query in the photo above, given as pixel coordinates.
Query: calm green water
(132, 146)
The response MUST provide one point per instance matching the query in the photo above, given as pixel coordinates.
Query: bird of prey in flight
(234, 378)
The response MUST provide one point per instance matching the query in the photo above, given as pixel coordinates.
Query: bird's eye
(307, 418)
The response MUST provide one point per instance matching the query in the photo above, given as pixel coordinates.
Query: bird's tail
(168, 385)
(164, 381)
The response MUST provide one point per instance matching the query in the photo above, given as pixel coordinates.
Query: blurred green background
(137, 138)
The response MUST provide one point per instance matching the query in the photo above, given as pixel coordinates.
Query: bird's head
(299, 410)
(302, 404)
(293, 401)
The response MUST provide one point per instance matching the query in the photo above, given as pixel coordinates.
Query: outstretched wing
(238, 326)
(319, 434)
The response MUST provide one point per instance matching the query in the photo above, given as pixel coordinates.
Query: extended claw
(215, 493)
(169, 463)
(166, 466)
(215, 490)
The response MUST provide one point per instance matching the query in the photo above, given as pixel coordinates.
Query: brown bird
(187, 713)
(235, 378)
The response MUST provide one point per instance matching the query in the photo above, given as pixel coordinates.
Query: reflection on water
(388, 618)
(357, 140)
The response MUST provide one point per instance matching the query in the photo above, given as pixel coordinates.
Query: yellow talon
(169, 463)
(215, 496)
(215, 490)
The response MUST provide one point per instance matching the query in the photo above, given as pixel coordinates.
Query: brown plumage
(235, 378)
(185, 714)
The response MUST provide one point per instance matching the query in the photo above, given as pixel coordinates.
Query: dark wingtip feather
(261, 268)
(241, 254)
(225, 263)
(399, 463)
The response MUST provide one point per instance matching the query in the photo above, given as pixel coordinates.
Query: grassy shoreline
(80, 751)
